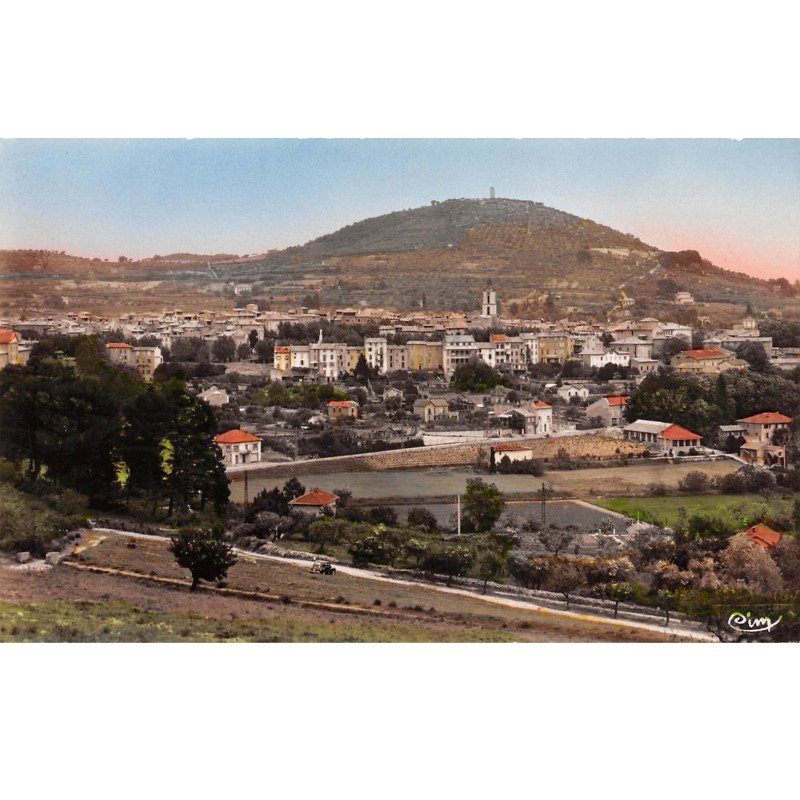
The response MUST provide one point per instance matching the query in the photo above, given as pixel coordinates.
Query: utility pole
(246, 492)
(543, 492)
(458, 506)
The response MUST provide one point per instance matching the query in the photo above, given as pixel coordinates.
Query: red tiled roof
(513, 448)
(342, 403)
(766, 417)
(616, 399)
(763, 536)
(236, 436)
(498, 337)
(704, 353)
(316, 497)
(540, 404)
(7, 336)
(678, 432)
(119, 346)
(282, 350)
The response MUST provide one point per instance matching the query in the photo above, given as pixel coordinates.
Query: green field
(67, 621)
(737, 510)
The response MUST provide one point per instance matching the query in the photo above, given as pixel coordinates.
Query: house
(238, 447)
(567, 392)
(145, 360)
(530, 419)
(664, 437)
(761, 535)
(315, 503)
(513, 452)
(214, 396)
(431, 409)
(761, 446)
(610, 409)
(342, 409)
(683, 299)
(9, 347)
(706, 360)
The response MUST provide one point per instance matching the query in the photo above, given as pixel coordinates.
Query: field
(738, 510)
(262, 601)
(394, 485)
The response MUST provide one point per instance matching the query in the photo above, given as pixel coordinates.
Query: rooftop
(316, 497)
(677, 432)
(705, 353)
(766, 418)
(236, 436)
(762, 535)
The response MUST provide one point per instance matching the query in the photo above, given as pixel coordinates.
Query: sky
(736, 202)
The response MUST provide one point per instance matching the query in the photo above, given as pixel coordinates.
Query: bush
(695, 482)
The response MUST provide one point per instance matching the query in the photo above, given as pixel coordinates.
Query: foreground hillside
(284, 603)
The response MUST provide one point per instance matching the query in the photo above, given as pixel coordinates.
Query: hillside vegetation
(542, 261)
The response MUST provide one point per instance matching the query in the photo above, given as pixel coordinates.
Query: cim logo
(747, 623)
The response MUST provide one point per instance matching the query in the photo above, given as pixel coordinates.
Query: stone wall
(578, 447)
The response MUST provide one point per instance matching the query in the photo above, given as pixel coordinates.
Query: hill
(542, 261)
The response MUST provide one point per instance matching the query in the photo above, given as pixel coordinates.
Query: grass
(428, 615)
(68, 621)
(737, 510)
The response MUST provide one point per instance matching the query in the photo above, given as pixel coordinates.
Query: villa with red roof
(664, 437)
(316, 502)
(707, 360)
(342, 409)
(9, 347)
(238, 447)
(760, 534)
(761, 446)
(610, 409)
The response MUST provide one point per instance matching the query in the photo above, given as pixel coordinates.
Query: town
(629, 465)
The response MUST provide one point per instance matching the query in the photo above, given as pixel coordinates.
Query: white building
(238, 447)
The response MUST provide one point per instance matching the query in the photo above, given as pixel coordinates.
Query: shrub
(695, 482)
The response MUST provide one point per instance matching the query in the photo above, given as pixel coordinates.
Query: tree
(564, 577)
(475, 377)
(750, 566)
(363, 372)
(755, 355)
(326, 531)
(195, 470)
(224, 349)
(483, 504)
(491, 566)
(422, 518)
(416, 549)
(204, 553)
(147, 421)
(555, 540)
(265, 350)
(243, 352)
(530, 572)
(293, 489)
(672, 346)
(252, 339)
(618, 592)
(450, 560)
